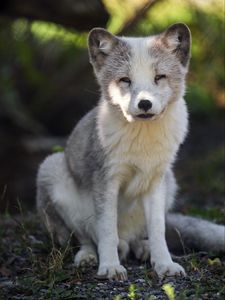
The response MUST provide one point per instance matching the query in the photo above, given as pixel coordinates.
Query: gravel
(29, 269)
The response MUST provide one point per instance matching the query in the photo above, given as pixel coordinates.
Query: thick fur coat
(113, 185)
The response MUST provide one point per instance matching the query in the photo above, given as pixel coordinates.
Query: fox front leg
(154, 206)
(107, 235)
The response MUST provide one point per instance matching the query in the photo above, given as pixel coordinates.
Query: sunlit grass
(19, 29)
(47, 31)
(121, 12)
(169, 291)
(159, 16)
(211, 6)
(164, 13)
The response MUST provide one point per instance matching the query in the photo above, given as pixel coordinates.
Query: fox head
(141, 76)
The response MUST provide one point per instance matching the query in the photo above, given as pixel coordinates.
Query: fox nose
(145, 105)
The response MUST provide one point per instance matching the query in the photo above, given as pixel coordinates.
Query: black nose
(145, 105)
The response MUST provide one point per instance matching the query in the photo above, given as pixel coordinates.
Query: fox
(113, 186)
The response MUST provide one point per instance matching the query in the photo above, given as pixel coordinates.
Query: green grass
(215, 214)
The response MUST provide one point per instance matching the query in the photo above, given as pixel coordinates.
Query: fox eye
(125, 80)
(158, 77)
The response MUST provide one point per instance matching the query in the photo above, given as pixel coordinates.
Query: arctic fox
(113, 185)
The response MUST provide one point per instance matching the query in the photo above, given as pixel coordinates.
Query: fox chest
(137, 168)
(140, 153)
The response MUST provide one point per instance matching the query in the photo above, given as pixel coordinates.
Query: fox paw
(85, 258)
(117, 272)
(123, 249)
(169, 269)
(141, 250)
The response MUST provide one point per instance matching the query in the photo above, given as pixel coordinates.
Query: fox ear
(178, 38)
(100, 44)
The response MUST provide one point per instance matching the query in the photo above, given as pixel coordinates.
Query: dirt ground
(31, 267)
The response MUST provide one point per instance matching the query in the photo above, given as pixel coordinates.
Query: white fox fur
(113, 185)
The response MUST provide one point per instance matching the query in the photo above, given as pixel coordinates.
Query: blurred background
(47, 85)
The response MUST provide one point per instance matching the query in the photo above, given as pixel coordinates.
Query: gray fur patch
(87, 163)
(182, 33)
(100, 44)
(116, 66)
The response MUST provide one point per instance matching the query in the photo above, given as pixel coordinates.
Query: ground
(32, 267)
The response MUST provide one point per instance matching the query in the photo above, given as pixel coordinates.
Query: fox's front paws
(117, 272)
(168, 269)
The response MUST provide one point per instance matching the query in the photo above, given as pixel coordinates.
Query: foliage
(132, 292)
(169, 291)
(202, 177)
(39, 60)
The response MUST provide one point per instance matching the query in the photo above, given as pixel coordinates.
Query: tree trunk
(79, 14)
